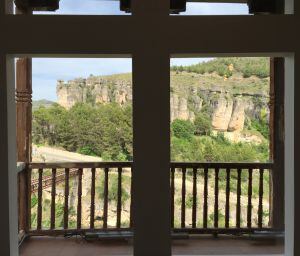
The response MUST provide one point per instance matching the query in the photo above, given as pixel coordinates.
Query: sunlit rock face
(228, 111)
(222, 111)
(93, 90)
(238, 116)
(179, 108)
(70, 94)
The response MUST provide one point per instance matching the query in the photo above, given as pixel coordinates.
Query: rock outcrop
(222, 112)
(237, 118)
(179, 108)
(228, 110)
(93, 90)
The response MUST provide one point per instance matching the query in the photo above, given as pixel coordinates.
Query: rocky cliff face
(228, 110)
(93, 90)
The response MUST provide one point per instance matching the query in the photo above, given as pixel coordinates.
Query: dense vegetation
(102, 130)
(106, 131)
(186, 146)
(259, 67)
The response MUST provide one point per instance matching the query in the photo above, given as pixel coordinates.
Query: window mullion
(151, 143)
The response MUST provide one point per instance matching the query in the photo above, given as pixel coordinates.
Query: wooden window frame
(150, 36)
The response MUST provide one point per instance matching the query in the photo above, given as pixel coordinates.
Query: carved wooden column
(277, 143)
(24, 122)
(24, 109)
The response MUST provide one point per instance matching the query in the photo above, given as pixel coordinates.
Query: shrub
(202, 124)
(183, 129)
(87, 150)
(34, 200)
(112, 189)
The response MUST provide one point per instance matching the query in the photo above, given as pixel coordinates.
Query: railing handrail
(221, 165)
(36, 165)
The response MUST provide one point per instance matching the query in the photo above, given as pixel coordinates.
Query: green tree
(46, 123)
(183, 128)
(102, 130)
(202, 124)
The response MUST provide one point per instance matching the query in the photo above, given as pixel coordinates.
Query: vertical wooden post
(8, 181)
(151, 207)
(277, 143)
(24, 108)
(23, 115)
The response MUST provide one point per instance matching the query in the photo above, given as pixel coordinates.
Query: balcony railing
(206, 198)
(232, 181)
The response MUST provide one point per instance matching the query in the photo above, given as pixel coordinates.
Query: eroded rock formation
(228, 111)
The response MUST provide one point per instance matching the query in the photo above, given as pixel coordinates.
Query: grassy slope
(182, 79)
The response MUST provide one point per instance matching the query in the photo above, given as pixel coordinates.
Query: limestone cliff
(229, 104)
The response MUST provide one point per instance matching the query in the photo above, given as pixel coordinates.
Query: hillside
(213, 117)
(36, 104)
(232, 91)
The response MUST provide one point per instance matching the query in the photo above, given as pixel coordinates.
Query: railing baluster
(261, 194)
(183, 193)
(205, 198)
(249, 207)
(75, 169)
(172, 196)
(105, 207)
(131, 203)
(194, 211)
(66, 204)
(238, 200)
(216, 207)
(79, 205)
(40, 194)
(28, 213)
(92, 214)
(227, 205)
(53, 193)
(119, 203)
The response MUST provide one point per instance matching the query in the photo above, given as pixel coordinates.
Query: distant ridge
(41, 103)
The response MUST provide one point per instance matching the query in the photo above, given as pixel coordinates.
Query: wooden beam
(37, 5)
(23, 121)
(23, 132)
(277, 143)
(176, 32)
(8, 181)
(24, 108)
(296, 151)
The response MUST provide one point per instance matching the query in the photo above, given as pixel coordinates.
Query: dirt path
(49, 154)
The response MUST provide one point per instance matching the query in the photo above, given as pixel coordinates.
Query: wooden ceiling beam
(37, 5)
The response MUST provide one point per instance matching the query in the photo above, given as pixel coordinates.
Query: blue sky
(46, 71)
(111, 7)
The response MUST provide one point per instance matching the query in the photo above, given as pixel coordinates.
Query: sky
(46, 71)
